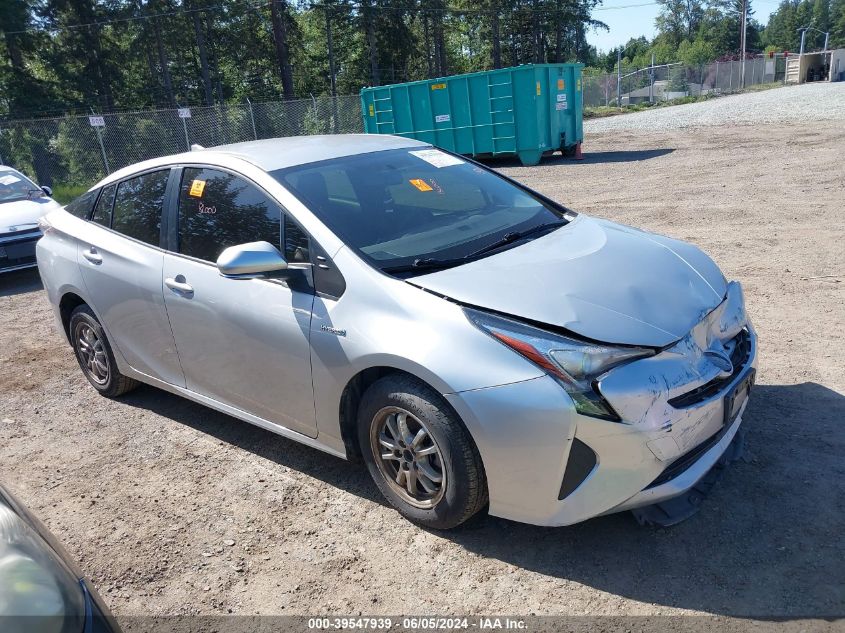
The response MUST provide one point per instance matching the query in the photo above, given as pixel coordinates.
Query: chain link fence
(71, 151)
(673, 81)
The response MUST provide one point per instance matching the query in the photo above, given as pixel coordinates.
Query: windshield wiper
(513, 236)
(432, 263)
(425, 263)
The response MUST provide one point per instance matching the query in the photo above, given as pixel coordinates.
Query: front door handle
(92, 256)
(179, 285)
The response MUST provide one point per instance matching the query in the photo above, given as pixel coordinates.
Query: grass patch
(65, 193)
(599, 112)
(760, 87)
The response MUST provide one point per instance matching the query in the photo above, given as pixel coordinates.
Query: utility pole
(742, 43)
(804, 30)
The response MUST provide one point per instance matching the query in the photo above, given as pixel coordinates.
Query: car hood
(24, 214)
(597, 279)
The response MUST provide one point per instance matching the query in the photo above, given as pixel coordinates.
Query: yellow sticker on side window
(420, 184)
(197, 187)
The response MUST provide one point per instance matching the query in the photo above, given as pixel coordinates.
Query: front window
(218, 209)
(416, 208)
(14, 186)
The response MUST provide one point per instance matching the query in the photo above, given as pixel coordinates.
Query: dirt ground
(171, 508)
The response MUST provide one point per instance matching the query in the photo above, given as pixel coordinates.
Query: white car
(22, 203)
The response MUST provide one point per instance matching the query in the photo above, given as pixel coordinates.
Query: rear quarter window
(138, 204)
(102, 211)
(83, 205)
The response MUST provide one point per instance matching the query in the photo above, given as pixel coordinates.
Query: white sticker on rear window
(437, 158)
(9, 179)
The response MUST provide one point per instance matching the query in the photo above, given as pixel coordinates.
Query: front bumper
(532, 441)
(17, 250)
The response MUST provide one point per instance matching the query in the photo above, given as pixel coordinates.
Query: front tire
(95, 356)
(419, 453)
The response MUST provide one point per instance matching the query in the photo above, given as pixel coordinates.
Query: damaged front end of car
(647, 429)
(688, 401)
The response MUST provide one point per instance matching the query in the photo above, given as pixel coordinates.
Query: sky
(629, 18)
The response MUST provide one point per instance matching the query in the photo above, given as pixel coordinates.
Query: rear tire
(419, 453)
(94, 354)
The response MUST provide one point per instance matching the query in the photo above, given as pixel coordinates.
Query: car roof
(277, 153)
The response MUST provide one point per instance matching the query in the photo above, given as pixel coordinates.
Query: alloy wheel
(92, 353)
(408, 457)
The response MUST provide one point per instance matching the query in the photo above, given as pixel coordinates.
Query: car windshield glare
(406, 206)
(15, 186)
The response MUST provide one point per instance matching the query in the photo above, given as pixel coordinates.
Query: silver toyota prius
(475, 343)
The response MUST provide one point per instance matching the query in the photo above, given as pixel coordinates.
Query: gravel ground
(174, 509)
(809, 102)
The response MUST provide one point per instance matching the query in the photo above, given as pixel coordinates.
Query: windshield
(400, 208)
(15, 186)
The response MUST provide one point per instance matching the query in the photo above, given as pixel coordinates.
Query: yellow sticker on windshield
(422, 185)
(197, 187)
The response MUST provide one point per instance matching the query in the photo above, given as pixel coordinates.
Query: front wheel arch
(350, 400)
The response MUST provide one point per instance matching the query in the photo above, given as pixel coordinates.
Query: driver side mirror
(47, 190)
(247, 260)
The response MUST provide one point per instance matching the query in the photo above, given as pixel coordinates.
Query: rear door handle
(92, 256)
(179, 285)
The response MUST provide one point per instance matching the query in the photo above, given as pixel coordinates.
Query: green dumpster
(525, 111)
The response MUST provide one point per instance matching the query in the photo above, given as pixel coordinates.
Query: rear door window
(137, 206)
(102, 212)
(218, 209)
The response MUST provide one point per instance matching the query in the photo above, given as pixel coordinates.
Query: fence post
(651, 81)
(716, 79)
(731, 82)
(252, 118)
(103, 150)
(102, 147)
(185, 130)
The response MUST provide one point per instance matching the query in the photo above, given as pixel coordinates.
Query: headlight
(34, 582)
(576, 365)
